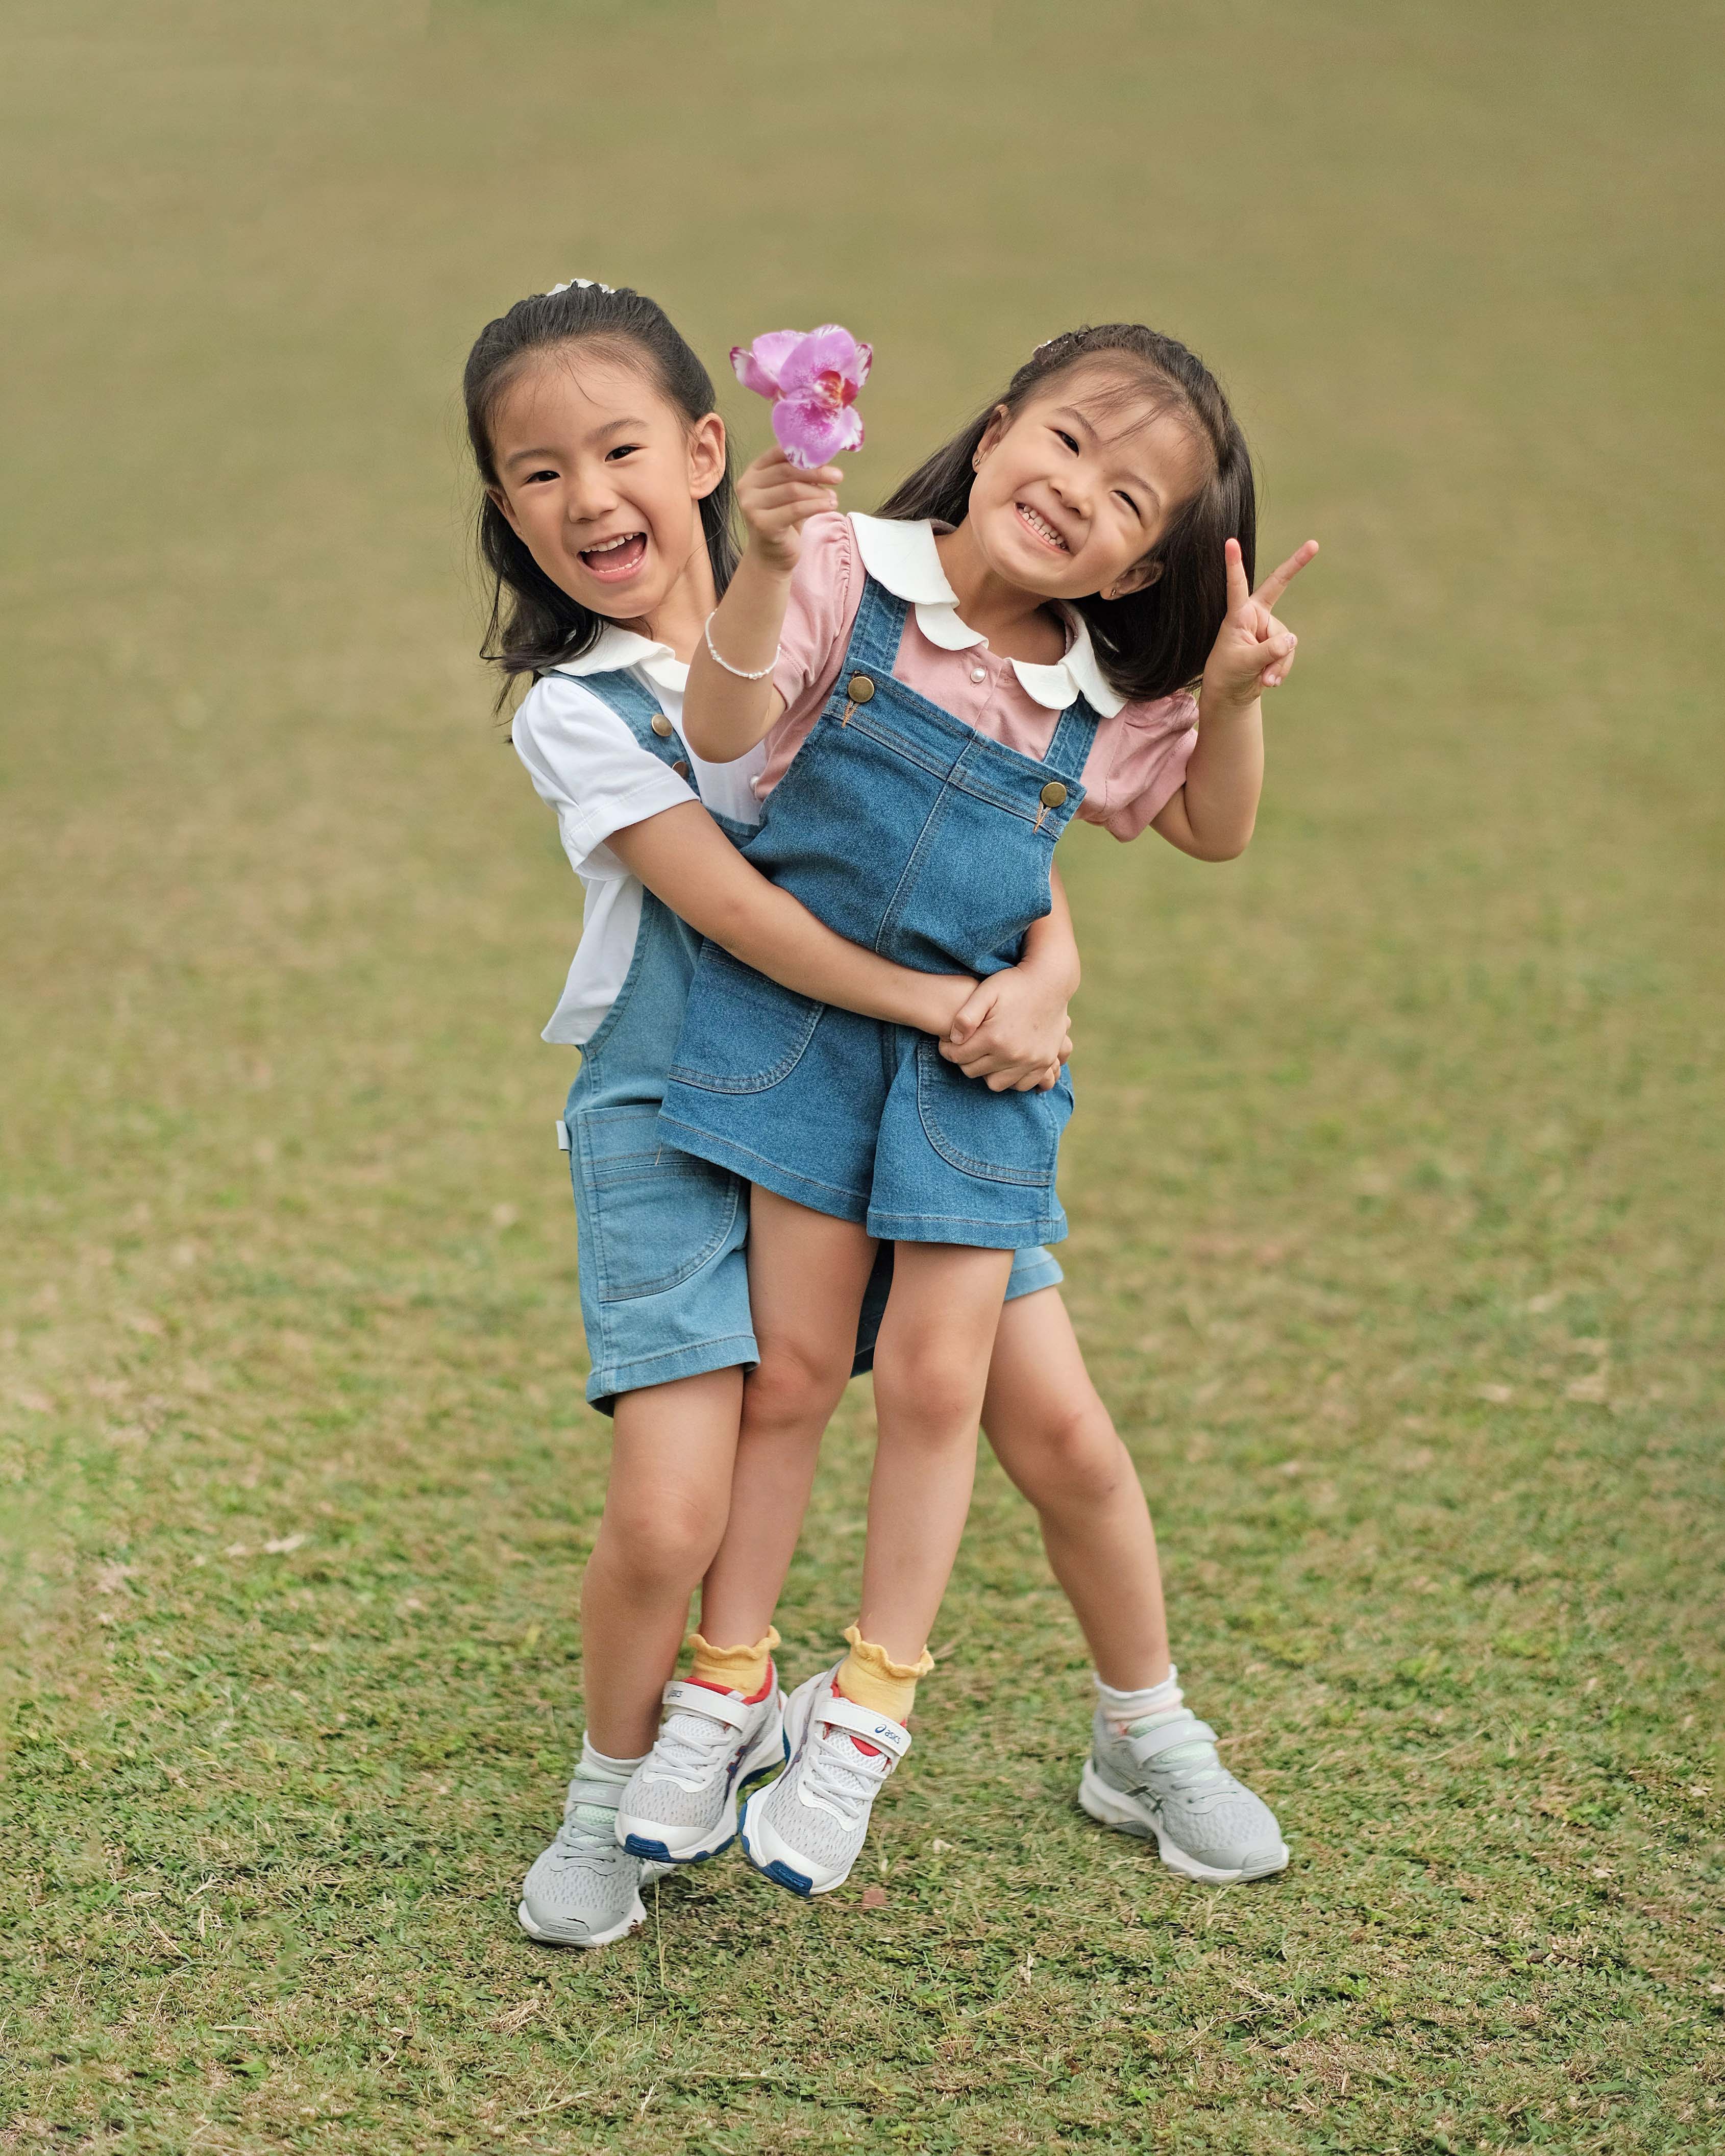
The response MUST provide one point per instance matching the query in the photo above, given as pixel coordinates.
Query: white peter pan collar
(904, 558)
(618, 647)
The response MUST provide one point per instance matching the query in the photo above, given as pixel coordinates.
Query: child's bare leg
(1055, 1438)
(806, 1275)
(1153, 1770)
(930, 1370)
(673, 1450)
(845, 1728)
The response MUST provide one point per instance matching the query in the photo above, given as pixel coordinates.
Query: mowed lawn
(1395, 1184)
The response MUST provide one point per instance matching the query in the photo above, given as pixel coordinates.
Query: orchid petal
(827, 351)
(810, 428)
(758, 366)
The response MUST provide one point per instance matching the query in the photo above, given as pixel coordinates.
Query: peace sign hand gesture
(1253, 650)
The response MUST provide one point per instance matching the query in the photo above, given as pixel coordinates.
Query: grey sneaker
(584, 1890)
(1162, 1778)
(680, 1805)
(807, 1829)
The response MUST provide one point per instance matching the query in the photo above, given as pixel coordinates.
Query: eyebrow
(610, 427)
(1071, 412)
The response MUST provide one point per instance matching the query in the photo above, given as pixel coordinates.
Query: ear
(500, 502)
(1137, 578)
(707, 456)
(999, 419)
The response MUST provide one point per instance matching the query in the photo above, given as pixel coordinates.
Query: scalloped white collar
(904, 558)
(616, 648)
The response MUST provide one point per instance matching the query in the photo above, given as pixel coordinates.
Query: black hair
(534, 623)
(1154, 641)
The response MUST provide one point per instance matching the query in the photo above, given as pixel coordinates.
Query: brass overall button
(1053, 794)
(661, 725)
(858, 688)
(682, 766)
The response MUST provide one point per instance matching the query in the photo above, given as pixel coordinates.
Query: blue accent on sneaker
(638, 1845)
(798, 1881)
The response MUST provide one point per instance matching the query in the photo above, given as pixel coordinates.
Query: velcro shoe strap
(1185, 1729)
(702, 1699)
(601, 1796)
(863, 1722)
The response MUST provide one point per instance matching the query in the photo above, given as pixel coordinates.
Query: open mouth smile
(611, 560)
(1039, 528)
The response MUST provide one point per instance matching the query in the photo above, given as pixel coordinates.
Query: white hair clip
(579, 284)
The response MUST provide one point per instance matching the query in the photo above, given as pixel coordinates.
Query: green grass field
(1395, 1183)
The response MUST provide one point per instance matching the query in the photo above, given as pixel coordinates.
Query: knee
(794, 1383)
(921, 1384)
(1070, 1460)
(661, 1544)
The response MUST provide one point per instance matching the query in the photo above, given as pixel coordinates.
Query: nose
(1071, 485)
(592, 493)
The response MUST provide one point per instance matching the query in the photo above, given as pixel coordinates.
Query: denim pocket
(1008, 1137)
(741, 1032)
(654, 1216)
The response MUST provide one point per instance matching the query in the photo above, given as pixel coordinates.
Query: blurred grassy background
(1395, 1184)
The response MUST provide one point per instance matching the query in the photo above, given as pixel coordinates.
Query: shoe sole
(1113, 1808)
(660, 1852)
(631, 1921)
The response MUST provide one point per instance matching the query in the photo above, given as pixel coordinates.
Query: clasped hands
(1010, 1032)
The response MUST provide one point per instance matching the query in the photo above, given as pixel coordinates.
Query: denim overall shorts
(912, 833)
(660, 1233)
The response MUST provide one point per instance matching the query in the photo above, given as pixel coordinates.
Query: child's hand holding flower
(812, 382)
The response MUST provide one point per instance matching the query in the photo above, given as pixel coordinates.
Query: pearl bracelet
(742, 675)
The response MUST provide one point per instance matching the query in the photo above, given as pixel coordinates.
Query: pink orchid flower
(812, 382)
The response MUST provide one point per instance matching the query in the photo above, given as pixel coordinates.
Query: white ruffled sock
(1123, 1709)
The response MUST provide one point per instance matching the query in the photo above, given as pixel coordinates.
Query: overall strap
(1074, 732)
(875, 634)
(638, 707)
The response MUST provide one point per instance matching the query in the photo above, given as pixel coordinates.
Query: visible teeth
(610, 545)
(1042, 525)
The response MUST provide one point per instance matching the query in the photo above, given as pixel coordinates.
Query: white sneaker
(1162, 1778)
(680, 1805)
(584, 1890)
(807, 1829)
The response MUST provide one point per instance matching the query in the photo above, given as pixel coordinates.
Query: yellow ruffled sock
(868, 1677)
(741, 1670)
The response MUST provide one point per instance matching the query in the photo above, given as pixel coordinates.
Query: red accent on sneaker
(873, 1751)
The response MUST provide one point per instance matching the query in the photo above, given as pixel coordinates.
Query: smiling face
(1076, 487)
(602, 479)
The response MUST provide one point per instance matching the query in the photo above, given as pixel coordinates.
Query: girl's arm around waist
(686, 860)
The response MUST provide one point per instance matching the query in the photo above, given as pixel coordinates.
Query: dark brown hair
(1155, 641)
(534, 623)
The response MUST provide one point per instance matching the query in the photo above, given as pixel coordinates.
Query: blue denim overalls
(660, 1233)
(915, 835)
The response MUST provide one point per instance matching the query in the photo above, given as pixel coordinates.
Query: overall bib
(660, 1233)
(912, 833)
